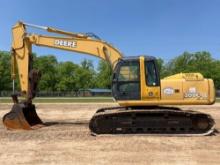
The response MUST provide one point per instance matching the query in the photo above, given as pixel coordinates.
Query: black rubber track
(151, 120)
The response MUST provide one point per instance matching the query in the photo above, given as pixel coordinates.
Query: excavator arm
(23, 114)
(75, 42)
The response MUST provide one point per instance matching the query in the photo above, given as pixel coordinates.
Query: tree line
(60, 76)
(201, 62)
(68, 76)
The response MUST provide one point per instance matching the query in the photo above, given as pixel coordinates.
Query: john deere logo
(65, 43)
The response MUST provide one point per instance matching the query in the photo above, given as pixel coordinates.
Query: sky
(161, 28)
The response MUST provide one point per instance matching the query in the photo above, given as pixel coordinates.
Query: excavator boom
(76, 42)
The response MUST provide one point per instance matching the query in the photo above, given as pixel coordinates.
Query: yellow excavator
(136, 86)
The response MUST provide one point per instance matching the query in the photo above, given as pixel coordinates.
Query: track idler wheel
(22, 116)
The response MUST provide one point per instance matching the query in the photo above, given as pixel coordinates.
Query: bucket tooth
(22, 116)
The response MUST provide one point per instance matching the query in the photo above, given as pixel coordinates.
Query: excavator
(146, 102)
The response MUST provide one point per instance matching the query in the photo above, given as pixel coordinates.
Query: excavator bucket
(22, 116)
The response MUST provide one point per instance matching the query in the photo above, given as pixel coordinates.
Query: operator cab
(131, 73)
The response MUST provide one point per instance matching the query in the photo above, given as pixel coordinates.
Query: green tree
(69, 76)
(215, 73)
(5, 75)
(161, 68)
(48, 68)
(87, 64)
(104, 75)
(201, 62)
(67, 79)
(88, 74)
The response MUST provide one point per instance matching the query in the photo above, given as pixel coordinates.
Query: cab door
(126, 80)
(150, 80)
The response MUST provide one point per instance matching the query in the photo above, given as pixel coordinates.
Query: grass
(65, 100)
(70, 100)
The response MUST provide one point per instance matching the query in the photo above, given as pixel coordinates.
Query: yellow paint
(181, 85)
(147, 92)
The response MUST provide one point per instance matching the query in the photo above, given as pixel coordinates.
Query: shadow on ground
(52, 123)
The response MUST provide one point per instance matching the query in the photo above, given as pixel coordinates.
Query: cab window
(151, 74)
(129, 72)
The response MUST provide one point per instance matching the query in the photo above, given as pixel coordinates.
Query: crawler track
(151, 120)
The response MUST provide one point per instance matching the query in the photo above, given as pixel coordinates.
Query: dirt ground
(69, 141)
